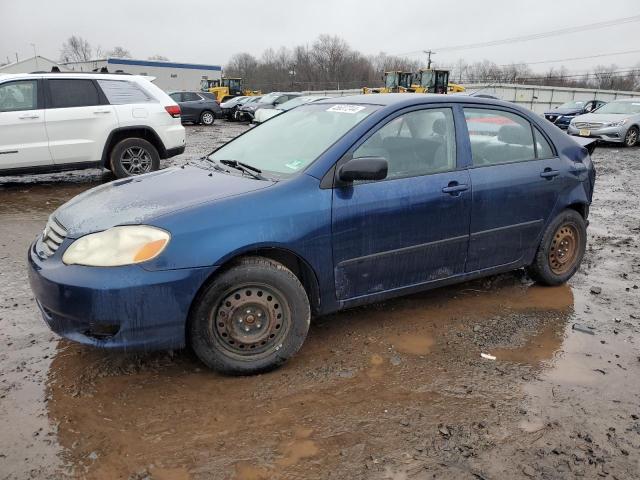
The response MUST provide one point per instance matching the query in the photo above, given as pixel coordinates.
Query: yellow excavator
(226, 88)
(425, 80)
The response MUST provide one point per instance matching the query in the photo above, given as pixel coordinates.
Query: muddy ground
(396, 390)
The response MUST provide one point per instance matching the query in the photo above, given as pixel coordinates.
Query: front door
(515, 187)
(191, 106)
(412, 227)
(23, 137)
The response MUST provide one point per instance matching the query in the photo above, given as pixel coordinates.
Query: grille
(52, 237)
(588, 125)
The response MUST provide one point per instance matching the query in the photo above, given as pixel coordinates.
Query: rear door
(23, 137)
(191, 106)
(515, 186)
(78, 120)
(412, 227)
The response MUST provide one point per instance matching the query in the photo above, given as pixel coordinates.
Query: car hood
(139, 199)
(256, 106)
(602, 117)
(563, 111)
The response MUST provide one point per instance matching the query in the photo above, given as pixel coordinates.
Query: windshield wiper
(244, 167)
(215, 165)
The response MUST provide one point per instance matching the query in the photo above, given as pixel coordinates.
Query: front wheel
(207, 118)
(631, 138)
(561, 249)
(251, 319)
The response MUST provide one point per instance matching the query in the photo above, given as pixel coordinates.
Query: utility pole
(429, 53)
(35, 55)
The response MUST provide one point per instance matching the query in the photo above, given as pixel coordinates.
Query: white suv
(59, 121)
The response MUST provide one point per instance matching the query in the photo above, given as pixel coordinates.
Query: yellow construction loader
(394, 82)
(429, 80)
(226, 88)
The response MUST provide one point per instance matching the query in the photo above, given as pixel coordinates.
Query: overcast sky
(206, 32)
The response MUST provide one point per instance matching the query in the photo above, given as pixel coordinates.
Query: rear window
(122, 92)
(67, 93)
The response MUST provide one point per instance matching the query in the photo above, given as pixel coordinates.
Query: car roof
(94, 75)
(407, 99)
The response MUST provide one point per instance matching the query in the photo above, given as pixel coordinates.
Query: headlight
(117, 246)
(619, 123)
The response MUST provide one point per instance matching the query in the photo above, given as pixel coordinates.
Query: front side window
(19, 96)
(67, 93)
(123, 92)
(416, 143)
(498, 137)
(288, 143)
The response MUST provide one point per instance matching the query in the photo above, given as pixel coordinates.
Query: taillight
(173, 110)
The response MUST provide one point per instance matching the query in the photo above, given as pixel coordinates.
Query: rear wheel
(561, 249)
(251, 319)
(134, 156)
(631, 138)
(207, 118)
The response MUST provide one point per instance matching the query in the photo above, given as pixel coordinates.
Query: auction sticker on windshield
(346, 108)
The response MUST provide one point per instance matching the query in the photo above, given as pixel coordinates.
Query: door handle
(102, 111)
(27, 116)
(454, 188)
(549, 173)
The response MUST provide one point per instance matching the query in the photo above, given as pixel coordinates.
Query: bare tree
(76, 49)
(119, 52)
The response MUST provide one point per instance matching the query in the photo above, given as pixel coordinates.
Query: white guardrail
(537, 98)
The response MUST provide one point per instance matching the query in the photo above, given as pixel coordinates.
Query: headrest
(515, 135)
(440, 126)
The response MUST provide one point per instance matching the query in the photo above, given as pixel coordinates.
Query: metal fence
(541, 99)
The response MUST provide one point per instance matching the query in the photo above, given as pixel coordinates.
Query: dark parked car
(333, 204)
(561, 116)
(197, 107)
(229, 106)
(270, 100)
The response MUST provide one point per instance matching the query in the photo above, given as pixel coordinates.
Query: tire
(133, 156)
(561, 250)
(250, 319)
(207, 118)
(631, 138)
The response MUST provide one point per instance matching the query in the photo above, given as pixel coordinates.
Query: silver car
(617, 121)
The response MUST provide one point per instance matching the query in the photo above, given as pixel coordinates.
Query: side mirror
(364, 168)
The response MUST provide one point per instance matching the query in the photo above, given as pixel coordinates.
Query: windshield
(428, 79)
(391, 80)
(270, 97)
(294, 102)
(288, 143)
(572, 104)
(627, 108)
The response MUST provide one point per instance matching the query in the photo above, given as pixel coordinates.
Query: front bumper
(115, 307)
(607, 134)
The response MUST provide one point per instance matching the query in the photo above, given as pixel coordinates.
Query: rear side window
(190, 97)
(122, 92)
(66, 93)
(542, 146)
(19, 96)
(498, 137)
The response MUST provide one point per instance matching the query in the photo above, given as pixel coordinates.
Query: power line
(610, 54)
(535, 36)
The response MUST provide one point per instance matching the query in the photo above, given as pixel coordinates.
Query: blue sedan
(334, 204)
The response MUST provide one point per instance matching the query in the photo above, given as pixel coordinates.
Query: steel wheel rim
(250, 320)
(207, 118)
(632, 136)
(136, 160)
(564, 249)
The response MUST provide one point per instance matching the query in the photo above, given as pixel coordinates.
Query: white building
(33, 64)
(168, 75)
